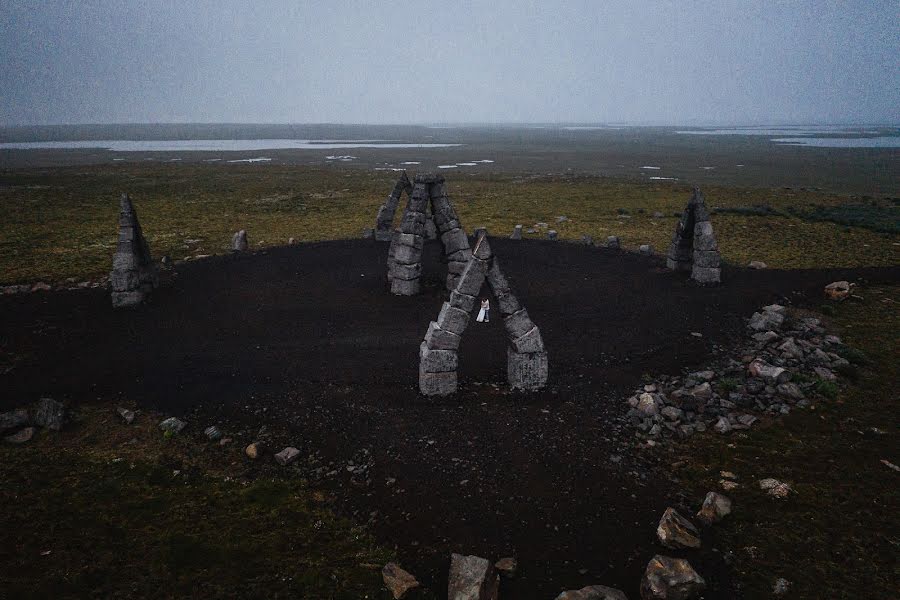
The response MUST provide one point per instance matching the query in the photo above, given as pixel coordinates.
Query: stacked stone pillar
(133, 276)
(428, 203)
(384, 221)
(527, 366)
(694, 248)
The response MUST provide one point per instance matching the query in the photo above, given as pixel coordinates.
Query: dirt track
(310, 334)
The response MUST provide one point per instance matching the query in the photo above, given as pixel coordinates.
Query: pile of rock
(133, 276)
(781, 365)
(527, 367)
(694, 247)
(19, 426)
(428, 202)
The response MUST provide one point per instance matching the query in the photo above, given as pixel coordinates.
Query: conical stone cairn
(134, 275)
(384, 221)
(694, 247)
(527, 365)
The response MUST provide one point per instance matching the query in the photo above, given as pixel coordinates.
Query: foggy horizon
(113, 62)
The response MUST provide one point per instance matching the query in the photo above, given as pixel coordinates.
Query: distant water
(826, 142)
(213, 145)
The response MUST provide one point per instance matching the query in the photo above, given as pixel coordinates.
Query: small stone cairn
(694, 246)
(526, 358)
(405, 254)
(133, 276)
(384, 221)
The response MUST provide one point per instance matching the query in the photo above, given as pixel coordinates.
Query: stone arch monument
(526, 363)
(428, 203)
(384, 221)
(694, 246)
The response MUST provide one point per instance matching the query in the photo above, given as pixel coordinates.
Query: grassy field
(109, 510)
(60, 223)
(837, 537)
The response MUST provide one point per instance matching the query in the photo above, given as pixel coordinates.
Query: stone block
(613, 242)
(287, 456)
(507, 303)
(529, 343)
(410, 239)
(401, 271)
(472, 278)
(124, 281)
(437, 384)
(437, 361)
(407, 255)
(646, 249)
(678, 265)
(526, 371)
(439, 339)
(383, 236)
(517, 233)
(457, 268)
(239, 241)
(707, 258)
(454, 241)
(405, 287)
(464, 255)
(452, 282)
(464, 302)
(495, 277)
(518, 324)
(453, 319)
(127, 299)
(482, 249)
(706, 274)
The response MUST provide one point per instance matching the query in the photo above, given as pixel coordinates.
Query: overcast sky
(258, 61)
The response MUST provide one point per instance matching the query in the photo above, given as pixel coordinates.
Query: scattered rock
(593, 592)
(20, 437)
(757, 264)
(292, 241)
(49, 413)
(645, 249)
(647, 404)
(173, 425)
(670, 579)
(287, 456)
(781, 586)
(552, 235)
(472, 578)
(824, 373)
(769, 373)
(766, 320)
(613, 242)
(127, 415)
(715, 508)
(398, 581)
(254, 450)
(13, 419)
(212, 433)
(507, 567)
(722, 425)
(676, 532)
(775, 488)
(838, 290)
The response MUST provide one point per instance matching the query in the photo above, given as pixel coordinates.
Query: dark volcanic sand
(310, 334)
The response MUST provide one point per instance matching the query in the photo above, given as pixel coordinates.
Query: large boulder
(670, 579)
(472, 578)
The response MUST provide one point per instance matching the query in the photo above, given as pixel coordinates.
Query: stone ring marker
(133, 275)
(405, 254)
(694, 246)
(526, 364)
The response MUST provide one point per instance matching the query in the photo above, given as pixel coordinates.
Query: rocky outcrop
(134, 275)
(527, 365)
(472, 578)
(384, 221)
(694, 247)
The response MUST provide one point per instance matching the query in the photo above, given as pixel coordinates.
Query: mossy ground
(837, 537)
(60, 223)
(108, 510)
